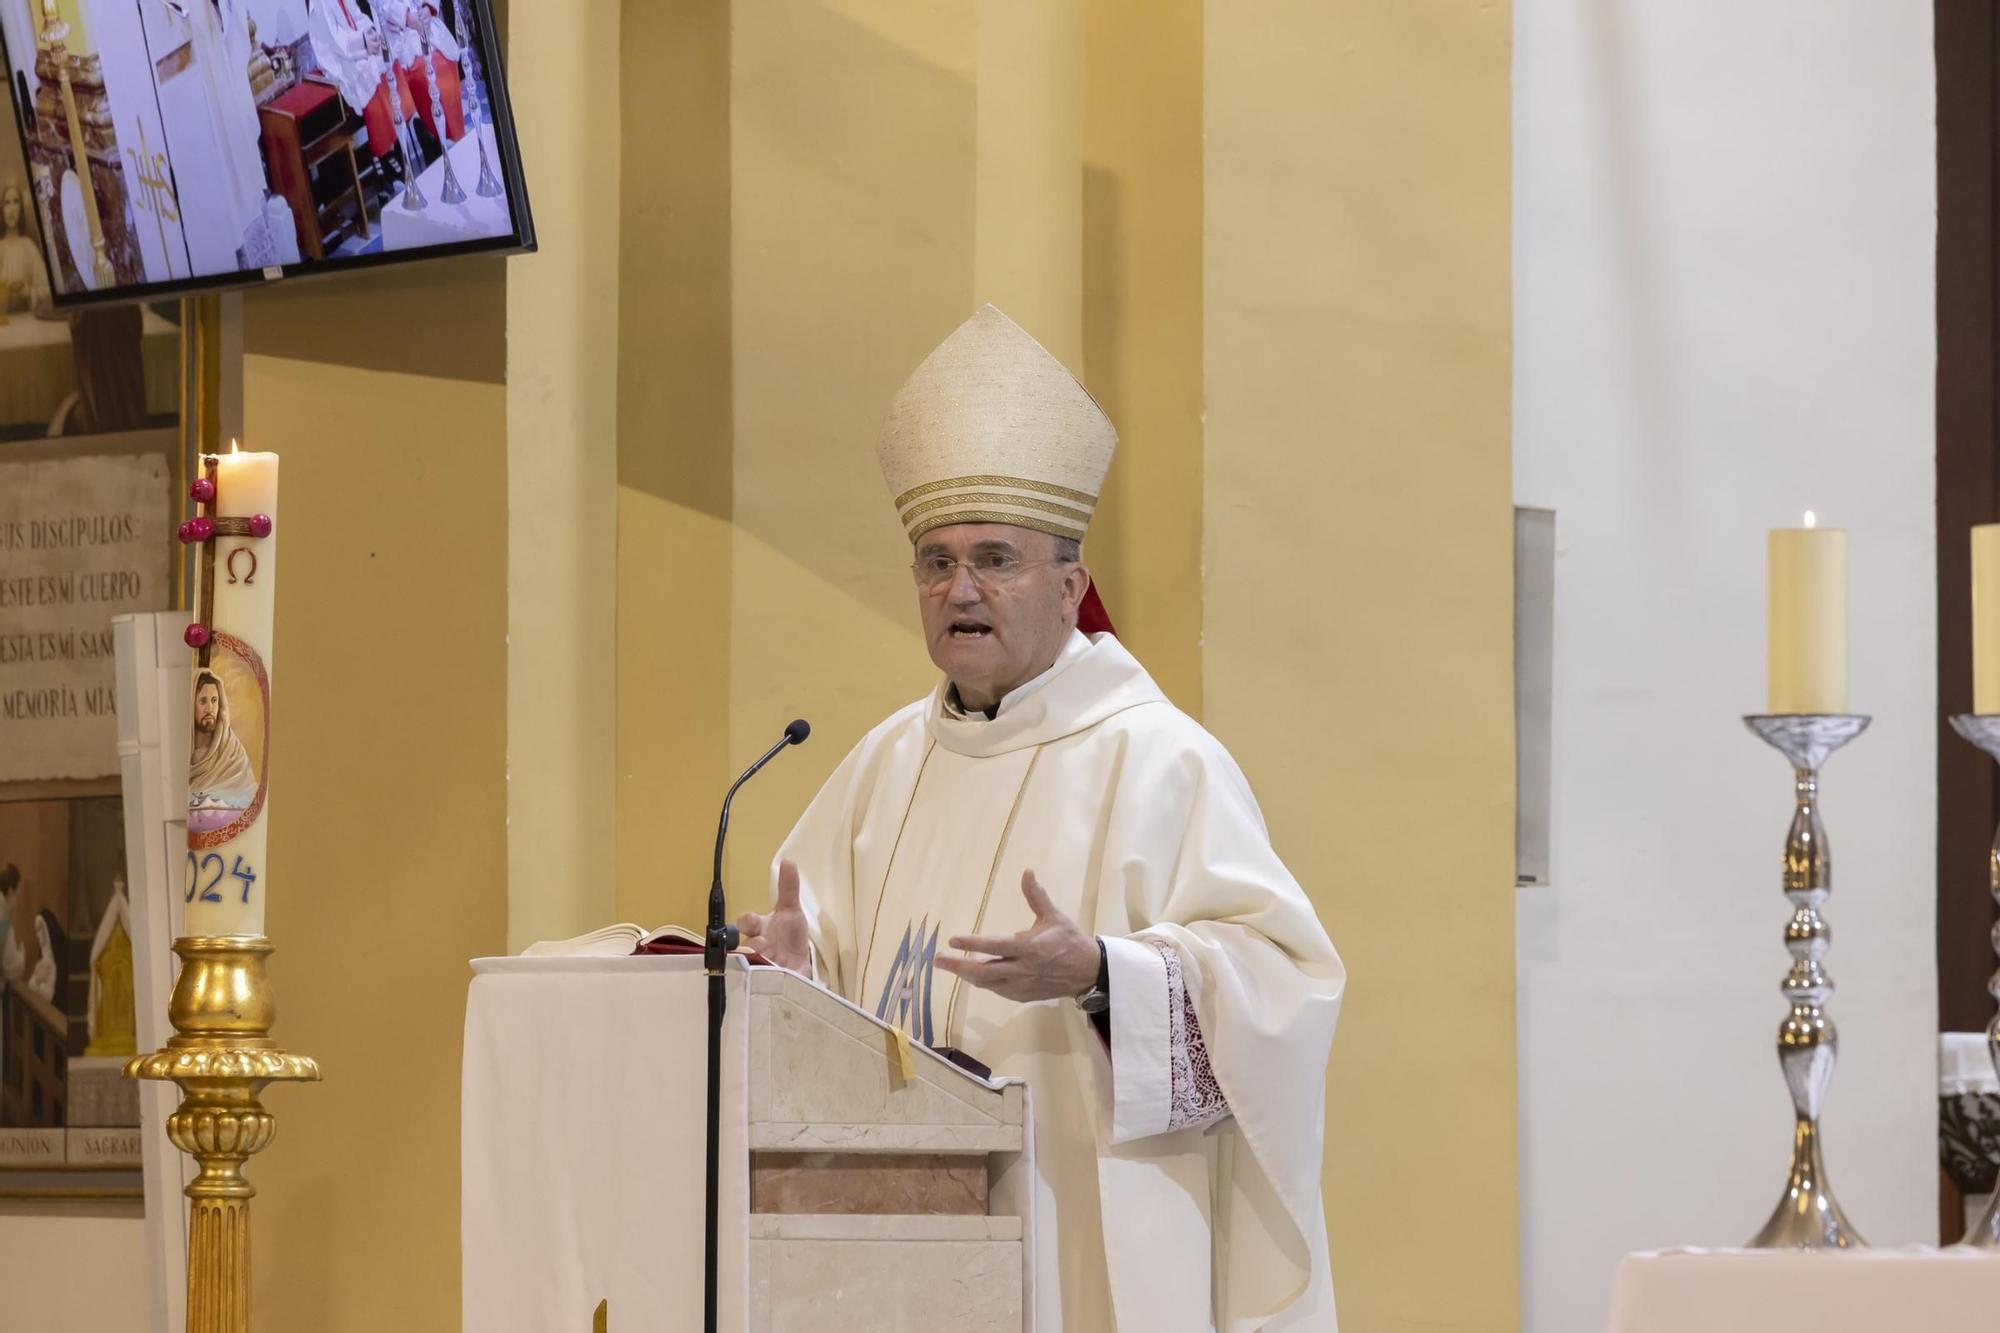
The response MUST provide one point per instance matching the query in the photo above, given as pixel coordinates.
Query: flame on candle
(1811, 520)
(234, 447)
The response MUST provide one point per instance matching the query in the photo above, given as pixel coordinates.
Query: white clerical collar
(1076, 646)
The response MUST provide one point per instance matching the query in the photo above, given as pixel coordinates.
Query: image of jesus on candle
(221, 780)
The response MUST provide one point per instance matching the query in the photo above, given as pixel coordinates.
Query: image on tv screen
(231, 140)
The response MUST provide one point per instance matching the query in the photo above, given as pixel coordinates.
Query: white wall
(69, 1266)
(1724, 223)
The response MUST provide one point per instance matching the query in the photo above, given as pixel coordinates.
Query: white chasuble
(1140, 826)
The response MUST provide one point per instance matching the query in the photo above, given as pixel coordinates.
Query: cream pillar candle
(1807, 645)
(229, 767)
(1986, 618)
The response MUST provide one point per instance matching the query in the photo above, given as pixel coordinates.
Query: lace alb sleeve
(1196, 1098)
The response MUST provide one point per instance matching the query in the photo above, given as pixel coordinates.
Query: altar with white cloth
(1855, 1291)
(438, 223)
(857, 1192)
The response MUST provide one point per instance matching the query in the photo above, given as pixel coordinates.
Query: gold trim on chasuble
(906, 992)
(881, 894)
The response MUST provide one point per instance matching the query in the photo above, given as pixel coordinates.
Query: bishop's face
(997, 605)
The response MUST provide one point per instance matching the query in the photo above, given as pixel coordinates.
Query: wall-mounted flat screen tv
(173, 145)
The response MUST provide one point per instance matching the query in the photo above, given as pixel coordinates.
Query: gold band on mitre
(993, 429)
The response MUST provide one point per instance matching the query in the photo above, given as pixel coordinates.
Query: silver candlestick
(451, 192)
(1807, 1217)
(406, 138)
(470, 96)
(1983, 730)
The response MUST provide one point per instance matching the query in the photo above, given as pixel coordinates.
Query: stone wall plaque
(83, 538)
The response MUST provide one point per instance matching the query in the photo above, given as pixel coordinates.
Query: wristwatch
(1097, 999)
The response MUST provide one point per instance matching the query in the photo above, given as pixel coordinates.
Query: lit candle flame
(1811, 520)
(234, 447)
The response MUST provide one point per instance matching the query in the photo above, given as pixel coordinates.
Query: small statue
(113, 1017)
(24, 282)
(51, 944)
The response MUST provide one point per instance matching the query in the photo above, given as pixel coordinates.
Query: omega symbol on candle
(250, 575)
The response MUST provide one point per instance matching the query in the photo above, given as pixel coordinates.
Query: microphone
(722, 936)
(716, 944)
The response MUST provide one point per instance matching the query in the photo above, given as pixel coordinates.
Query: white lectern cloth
(584, 1124)
(1758, 1291)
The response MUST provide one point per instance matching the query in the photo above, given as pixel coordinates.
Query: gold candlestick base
(222, 1056)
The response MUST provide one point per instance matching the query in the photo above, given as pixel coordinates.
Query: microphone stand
(717, 943)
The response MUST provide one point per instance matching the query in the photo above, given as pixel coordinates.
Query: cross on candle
(206, 491)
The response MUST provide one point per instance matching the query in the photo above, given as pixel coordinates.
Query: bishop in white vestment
(1046, 865)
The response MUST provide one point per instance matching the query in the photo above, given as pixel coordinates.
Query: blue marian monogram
(906, 996)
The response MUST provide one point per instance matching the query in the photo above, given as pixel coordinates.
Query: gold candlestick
(222, 1056)
(54, 34)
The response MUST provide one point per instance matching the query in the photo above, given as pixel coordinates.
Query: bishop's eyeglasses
(989, 569)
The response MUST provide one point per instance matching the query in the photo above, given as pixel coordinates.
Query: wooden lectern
(852, 1197)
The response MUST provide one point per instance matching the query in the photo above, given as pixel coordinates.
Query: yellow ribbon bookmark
(899, 1054)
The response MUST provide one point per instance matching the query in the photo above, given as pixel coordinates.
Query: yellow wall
(388, 836)
(1028, 81)
(1142, 323)
(561, 457)
(1358, 535)
(674, 456)
(799, 248)
(805, 230)
(855, 233)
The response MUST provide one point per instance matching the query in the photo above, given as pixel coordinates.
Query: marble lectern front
(853, 1197)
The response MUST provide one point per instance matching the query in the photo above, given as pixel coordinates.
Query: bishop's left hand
(1051, 960)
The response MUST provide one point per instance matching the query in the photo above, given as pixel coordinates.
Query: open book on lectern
(626, 939)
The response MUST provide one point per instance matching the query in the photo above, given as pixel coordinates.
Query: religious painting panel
(69, 1120)
(86, 534)
(65, 374)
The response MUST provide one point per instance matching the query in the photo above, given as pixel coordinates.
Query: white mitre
(992, 429)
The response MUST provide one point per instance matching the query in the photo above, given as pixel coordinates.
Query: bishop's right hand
(780, 935)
